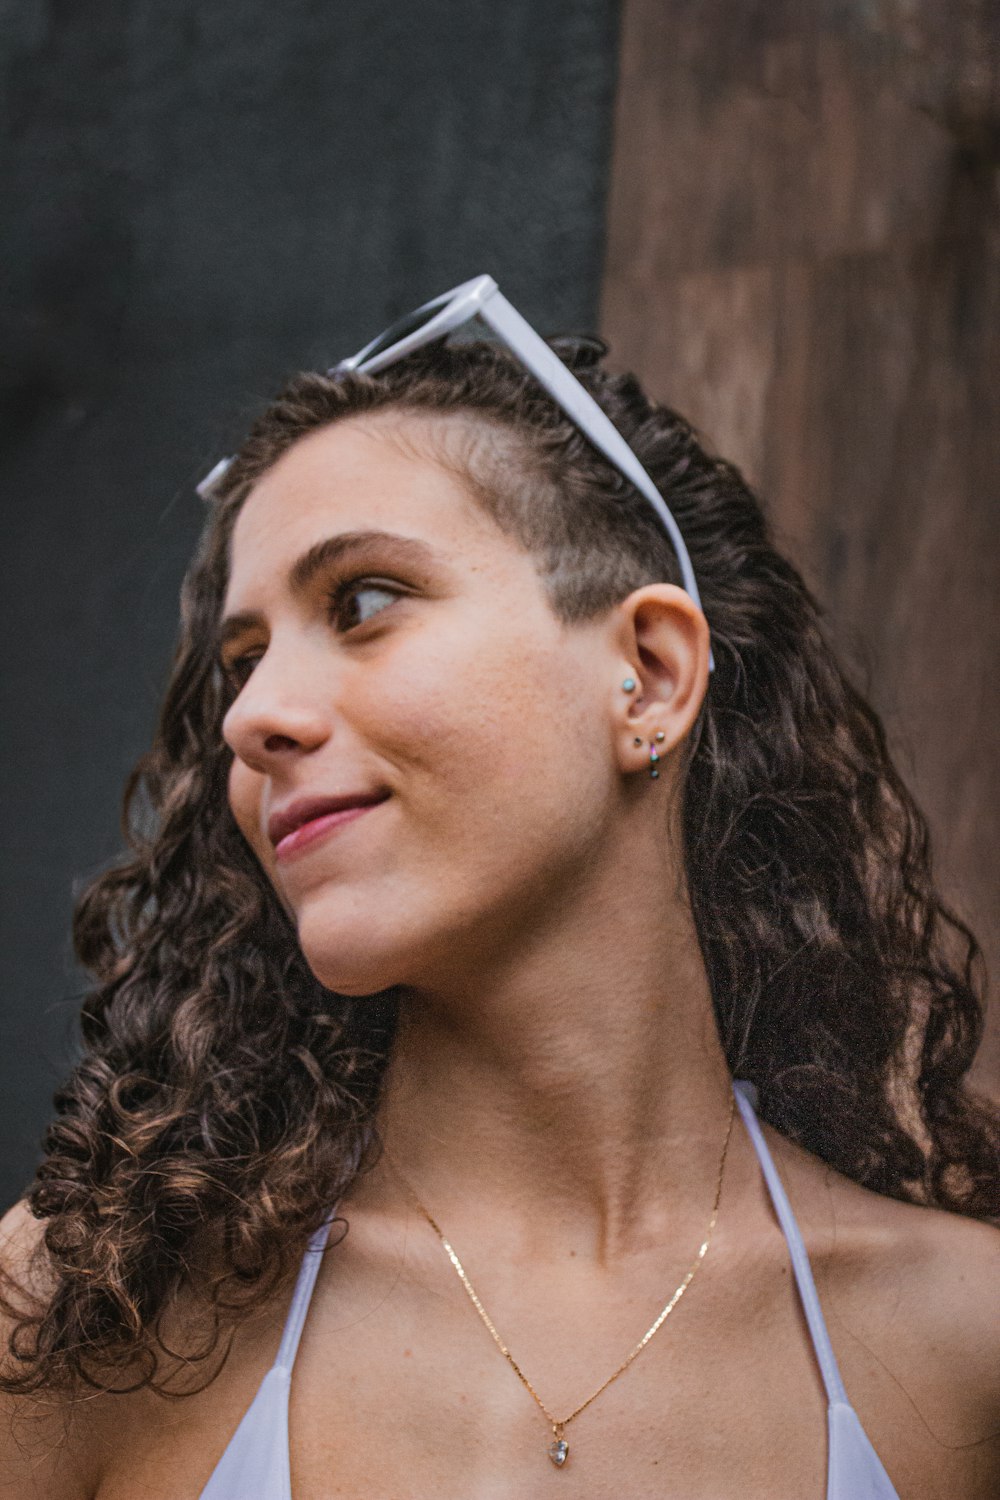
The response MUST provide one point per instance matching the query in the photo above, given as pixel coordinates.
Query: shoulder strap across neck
(302, 1295)
(746, 1099)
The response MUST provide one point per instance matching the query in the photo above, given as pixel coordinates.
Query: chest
(400, 1393)
(452, 1419)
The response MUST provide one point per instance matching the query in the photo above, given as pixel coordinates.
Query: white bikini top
(255, 1466)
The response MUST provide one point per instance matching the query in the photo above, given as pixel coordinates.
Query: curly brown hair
(225, 1098)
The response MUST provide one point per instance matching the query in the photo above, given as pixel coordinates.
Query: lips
(285, 820)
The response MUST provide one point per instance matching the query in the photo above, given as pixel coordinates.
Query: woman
(472, 863)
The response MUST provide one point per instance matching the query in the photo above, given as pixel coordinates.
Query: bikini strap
(302, 1295)
(746, 1099)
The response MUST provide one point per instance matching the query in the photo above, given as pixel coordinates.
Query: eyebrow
(324, 554)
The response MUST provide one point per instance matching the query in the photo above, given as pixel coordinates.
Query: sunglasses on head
(482, 298)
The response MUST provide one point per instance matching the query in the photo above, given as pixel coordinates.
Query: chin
(348, 973)
(353, 986)
(378, 935)
(350, 957)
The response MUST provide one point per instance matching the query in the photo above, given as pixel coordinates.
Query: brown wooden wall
(804, 258)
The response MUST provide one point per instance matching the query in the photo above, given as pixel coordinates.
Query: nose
(283, 708)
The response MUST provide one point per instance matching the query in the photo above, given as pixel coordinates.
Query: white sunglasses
(482, 298)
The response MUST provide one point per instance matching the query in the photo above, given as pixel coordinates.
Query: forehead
(391, 472)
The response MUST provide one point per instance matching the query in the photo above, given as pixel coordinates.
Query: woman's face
(416, 661)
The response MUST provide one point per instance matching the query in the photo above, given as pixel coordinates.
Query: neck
(580, 1103)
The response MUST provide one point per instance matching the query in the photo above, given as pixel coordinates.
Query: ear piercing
(628, 686)
(654, 754)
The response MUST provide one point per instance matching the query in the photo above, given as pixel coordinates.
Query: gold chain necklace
(558, 1450)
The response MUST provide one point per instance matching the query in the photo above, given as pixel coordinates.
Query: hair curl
(225, 1098)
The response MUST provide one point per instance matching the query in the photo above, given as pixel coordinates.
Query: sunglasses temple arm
(578, 403)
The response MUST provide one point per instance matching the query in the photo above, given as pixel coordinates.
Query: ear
(663, 641)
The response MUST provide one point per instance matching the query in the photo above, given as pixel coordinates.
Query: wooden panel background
(804, 258)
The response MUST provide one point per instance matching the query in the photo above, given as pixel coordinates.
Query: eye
(345, 597)
(236, 672)
(344, 606)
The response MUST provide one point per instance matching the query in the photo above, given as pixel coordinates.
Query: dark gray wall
(197, 200)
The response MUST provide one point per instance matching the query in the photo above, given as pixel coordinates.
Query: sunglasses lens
(394, 334)
(402, 329)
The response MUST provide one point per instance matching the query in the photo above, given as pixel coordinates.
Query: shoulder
(938, 1275)
(934, 1272)
(914, 1268)
(74, 1445)
(911, 1296)
(25, 1284)
(43, 1445)
(20, 1236)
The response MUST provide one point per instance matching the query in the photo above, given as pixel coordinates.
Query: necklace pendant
(558, 1452)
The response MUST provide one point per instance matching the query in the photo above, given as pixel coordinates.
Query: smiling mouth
(320, 827)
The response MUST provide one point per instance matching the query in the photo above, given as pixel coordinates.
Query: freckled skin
(474, 706)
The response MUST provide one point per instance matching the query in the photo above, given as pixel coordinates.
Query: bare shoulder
(20, 1236)
(922, 1269)
(912, 1299)
(129, 1438)
(43, 1447)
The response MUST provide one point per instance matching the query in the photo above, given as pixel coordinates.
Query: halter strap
(746, 1099)
(302, 1295)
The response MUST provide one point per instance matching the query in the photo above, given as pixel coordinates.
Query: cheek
(496, 753)
(467, 718)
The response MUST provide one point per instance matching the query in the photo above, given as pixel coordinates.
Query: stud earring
(628, 685)
(654, 756)
(637, 740)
